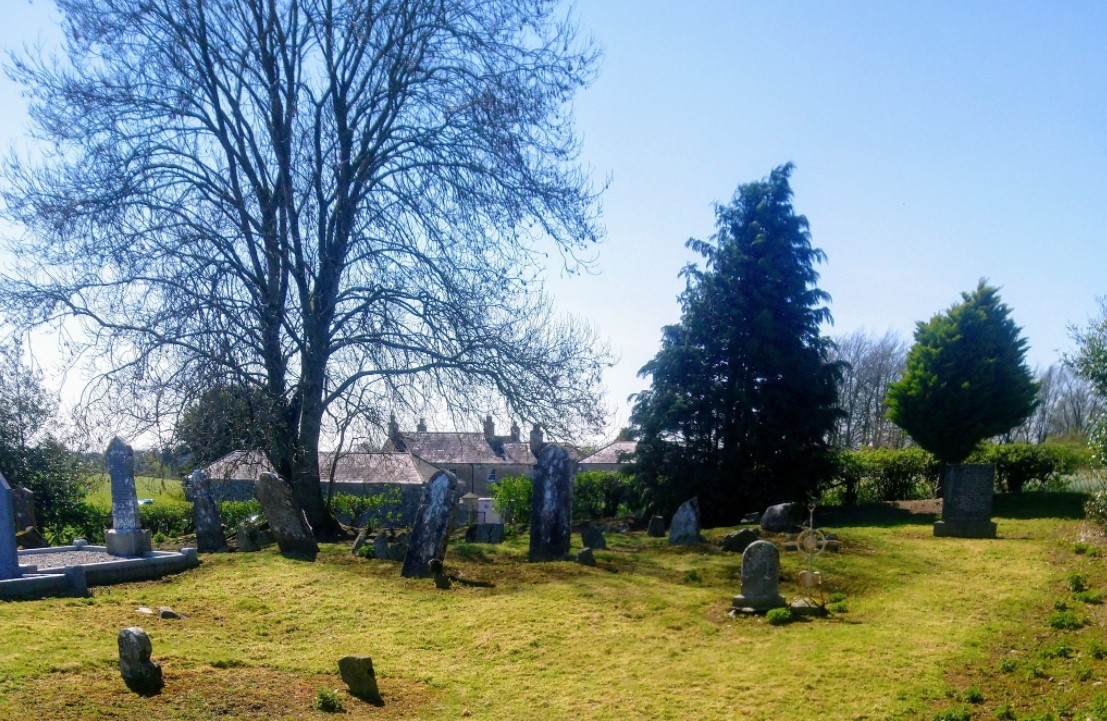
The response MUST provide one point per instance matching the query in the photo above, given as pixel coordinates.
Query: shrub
(1005, 713)
(328, 701)
(82, 520)
(1097, 649)
(598, 494)
(885, 474)
(1083, 549)
(1092, 598)
(1095, 508)
(973, 695)
(1077, 582)
(1065, 621)
(837, 597)
(512, 498)
(171, 520)
(1058, 650)
(375, 511)
(779, 616)
(1020, 464)
(1007, 665)
(838, 607)
(234, 512)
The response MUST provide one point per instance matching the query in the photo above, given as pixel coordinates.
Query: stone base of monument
(756, 604)
(129, 544)
(70, 570)
(807, 607)
(965, 529)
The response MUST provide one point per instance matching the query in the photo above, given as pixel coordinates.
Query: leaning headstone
(30, 538)
(586, 558)
(592, 537)
(397, 547)
(685, 528)
(760, 579)
(778, 518)
(9, 559)
(361, 540)
(551, 507)
(738, 541)
(431, 531)
(656, 528)
(23, 507)
(125, 537)
(357, 673)
(205, 514)
(287, 521)
(485, 533)
(967, 492)
(750, 518)
(139, 673)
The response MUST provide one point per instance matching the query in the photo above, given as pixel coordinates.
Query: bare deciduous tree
(311, 198)
(874, 363)
(1067, 407)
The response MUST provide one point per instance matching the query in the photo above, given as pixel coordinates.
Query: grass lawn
(162, 490)
(931, 627)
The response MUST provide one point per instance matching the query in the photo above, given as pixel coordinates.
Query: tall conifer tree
(743, 392)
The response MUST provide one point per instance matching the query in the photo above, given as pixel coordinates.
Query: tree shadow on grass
(876, 515)
(1067, 505)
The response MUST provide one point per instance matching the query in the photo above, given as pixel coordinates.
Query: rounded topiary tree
(966, 378)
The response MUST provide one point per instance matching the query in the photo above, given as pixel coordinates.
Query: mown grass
(162, 490)
(644, 635)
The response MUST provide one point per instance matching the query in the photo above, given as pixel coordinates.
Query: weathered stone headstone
(139, 673)
(361, 540)
(967, 492)
(738, 541)
(9, 559)
(551, 508)
(357, 673)
(247, 537)
(397, 547)
(23, 507)
(585, 557)
(592, 537)
(760, 579)
(287, 521)
(30, 538)
(431, 531)
(485, 533)
(125, 537)
(778, 518)
(380, 546)
(685, 528)
(205, 514)
(656, 528)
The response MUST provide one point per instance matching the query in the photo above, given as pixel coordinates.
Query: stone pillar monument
(205, 515)
(967, 493)
(431, 531)
(9, 558)
(551, 510)
(125, 537)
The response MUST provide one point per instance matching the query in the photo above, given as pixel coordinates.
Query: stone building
(612, 457)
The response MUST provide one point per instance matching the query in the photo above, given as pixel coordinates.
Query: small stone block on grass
(139, 673)
(357, 673)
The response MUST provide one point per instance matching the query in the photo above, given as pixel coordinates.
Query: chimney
(393, 428)
(514, 432)
(536, 441)
(422, 427)
(489, 428)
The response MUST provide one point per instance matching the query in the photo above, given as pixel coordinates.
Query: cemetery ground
(930, 628)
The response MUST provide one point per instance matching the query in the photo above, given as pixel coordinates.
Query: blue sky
(935, 144)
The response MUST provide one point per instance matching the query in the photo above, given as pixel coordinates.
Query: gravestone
(9, 558)
(685, 528)
(205, 514)
(248, 538)
(357, 673)
(778, 518)
(438, 571)
(656, 529)
(967, 492)
(739, 541)
(361, 540)
(585, 557)
(380, 546)
(551, 507)
(592, 537)
(23, 507)
(287, 521)
(431, 531)
(125, 537)
(485, 533)
(760, 579)
(139, 673)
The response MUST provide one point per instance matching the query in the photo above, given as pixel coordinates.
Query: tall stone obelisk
(126, 537)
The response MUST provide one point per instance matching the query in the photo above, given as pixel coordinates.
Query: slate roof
(445, 448)
(398, 468)
(611, 454)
